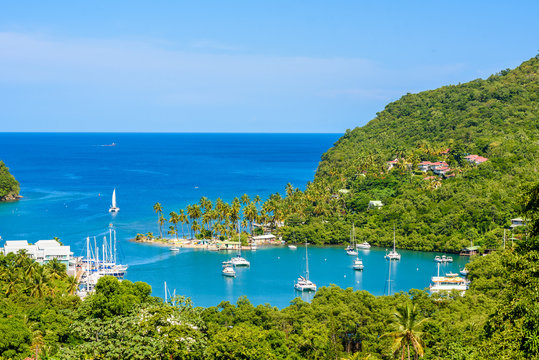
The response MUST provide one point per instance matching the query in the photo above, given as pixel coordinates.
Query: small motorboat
(358, 264)
(228, 269)
(363, 245)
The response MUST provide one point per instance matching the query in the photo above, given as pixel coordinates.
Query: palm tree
(39, 283)
(11, 280)
(245, 199)
(158, 210)
(55, 269)
(174, 220)
(406, 331)
(183, 219)
(161, 223)
(72, 285)
(250, 213)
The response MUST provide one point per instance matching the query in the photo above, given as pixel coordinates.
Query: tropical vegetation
(9, 187)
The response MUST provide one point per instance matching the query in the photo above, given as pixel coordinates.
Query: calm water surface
(67, 181)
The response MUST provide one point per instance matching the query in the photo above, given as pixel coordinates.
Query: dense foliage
(9, 187)
(496, 319)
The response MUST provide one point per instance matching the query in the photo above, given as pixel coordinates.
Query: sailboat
(303, 283)
(393, 254)
(238, 260)
(351, 249)
(113, 207)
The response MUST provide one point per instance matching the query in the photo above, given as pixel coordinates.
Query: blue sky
(243, 66)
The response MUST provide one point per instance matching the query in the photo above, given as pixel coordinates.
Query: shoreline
(210, 245)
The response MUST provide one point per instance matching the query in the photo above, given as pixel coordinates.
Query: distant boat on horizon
(113, 207)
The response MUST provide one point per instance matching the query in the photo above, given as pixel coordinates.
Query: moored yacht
(393, 254)
(443, 259)
(358, 264)
(238, 260)
(228, 269)
(303, 283)
(351, 249)
(363, 245)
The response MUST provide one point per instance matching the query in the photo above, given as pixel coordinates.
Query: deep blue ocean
(67, 181)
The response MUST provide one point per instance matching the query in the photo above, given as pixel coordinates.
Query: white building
(264, 239)
(375, 204)
(42, 251)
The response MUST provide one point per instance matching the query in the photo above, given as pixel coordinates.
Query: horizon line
(166, 132)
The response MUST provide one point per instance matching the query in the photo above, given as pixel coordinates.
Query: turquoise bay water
(67, 182)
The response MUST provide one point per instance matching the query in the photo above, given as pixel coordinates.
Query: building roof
(16, 243)
(264, 237)
(47, 243)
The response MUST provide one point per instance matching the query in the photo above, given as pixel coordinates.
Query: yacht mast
(306, 262)
(393, 237)
(88, 264)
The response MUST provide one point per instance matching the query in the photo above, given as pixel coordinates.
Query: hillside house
(517, 222)
(475, 159)
(375, 204)
(391, 163)
(442, 170)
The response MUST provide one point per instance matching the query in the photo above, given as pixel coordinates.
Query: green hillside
(9, 187)
(496, 118)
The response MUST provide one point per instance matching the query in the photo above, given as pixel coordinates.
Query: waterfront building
(42, 251)
(264, 239)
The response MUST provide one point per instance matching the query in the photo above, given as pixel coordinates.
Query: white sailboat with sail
(303, 283)
(113, 207)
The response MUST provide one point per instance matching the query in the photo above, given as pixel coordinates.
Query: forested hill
(9, 187)
(496, 118)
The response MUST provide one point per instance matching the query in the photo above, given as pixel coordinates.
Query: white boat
(228, 270)
(358, 264)
(448, 283)
(363, 245)
(174, 249)
(303, 283)
(113, 207)
(292, 247)
(351, 249)
(393, 254)
(464, 272)
(238, 260)
(443, 259)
